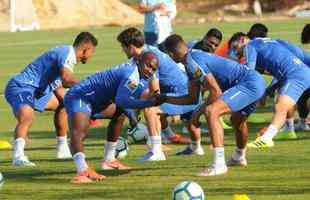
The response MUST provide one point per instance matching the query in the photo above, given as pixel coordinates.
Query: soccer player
(40, 86)
(233, 87)
(107, 92)
(170, 80)
(271, 57)
(209, 42)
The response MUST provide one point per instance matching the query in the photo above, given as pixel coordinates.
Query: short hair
(85, 37)
(172, 42)
(203, 46)
(235, 38)
(131, 36)
(258, 30)
(305, 34)
(214, 32)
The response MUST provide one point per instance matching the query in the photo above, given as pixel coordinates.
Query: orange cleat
(115, 164)
(87, 176)
(94, 123)
(180, 139)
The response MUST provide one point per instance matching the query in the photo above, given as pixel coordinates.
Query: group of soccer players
(161, 82)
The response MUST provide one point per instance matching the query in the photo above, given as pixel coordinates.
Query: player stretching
(107, 93)
(233, 87)
(271, 57)
(40, 86)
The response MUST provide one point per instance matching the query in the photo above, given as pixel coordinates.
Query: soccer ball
(137, 134)
(188, 190)
(122, 148)
(1, 180)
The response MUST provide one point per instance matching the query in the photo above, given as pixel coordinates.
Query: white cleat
(63, 152)
(241, 162)
(23, 161)
(300, 126)
(150, 156)
(214, 171)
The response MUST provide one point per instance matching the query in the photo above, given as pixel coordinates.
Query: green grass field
(280, 173)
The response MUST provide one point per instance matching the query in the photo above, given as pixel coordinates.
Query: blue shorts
(150, 38)
(75, 103)
(18, 95)
(296, 84)
(243, 96)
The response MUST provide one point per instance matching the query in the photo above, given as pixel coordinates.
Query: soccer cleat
(232, 162)
(302, 126)
(179, 139)
(115, 164)
(5, 145)
(23, 161)
(286, 135)
(189, 151)
(87, 176)
(260, 143)
(63, 151)
(224, 125)
(150, 156)
(214, 171)
(95, 123)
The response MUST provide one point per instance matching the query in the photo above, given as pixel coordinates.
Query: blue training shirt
(297, 51)
(44, 72)
(226, 72)
(171, 77)
(121, 84)
(265, 54)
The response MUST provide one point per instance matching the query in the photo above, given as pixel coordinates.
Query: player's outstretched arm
(191, 98)
(67, 77)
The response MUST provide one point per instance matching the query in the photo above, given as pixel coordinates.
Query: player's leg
(78, 117)
(288, 130)
(213, 112)
(114, 131)
(195, 133)
(54, 102)
(21, 101)
(241, 136)
(152, 118)
(303, 111)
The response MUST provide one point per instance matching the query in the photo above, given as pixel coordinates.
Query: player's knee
(211, 111)
(281, 108)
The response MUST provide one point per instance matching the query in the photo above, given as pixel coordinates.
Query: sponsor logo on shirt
(297, 61)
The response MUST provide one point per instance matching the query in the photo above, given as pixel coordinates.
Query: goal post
(23, 16)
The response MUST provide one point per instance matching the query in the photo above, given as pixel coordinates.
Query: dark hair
(85, 37)
(305, 34)
(235, 38)
(258, 30)
(172, 42)
(203, 46)
(214, 32)
(131, 36)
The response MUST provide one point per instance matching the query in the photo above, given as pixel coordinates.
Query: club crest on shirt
(132, 84)
(197, 73)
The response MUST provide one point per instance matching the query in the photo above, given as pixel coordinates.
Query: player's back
(171, 77)
(102, 86)
(272, 56)
(227, 72)
(45, 69)
(297, 51)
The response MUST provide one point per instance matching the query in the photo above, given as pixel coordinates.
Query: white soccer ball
(188, 190)
(138, 134)
(1, 180)
(122, 148)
